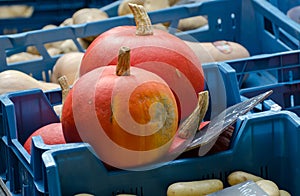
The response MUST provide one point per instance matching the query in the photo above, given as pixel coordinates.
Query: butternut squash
(124, 9)
(218, 50)
(13, 80)
(269, 187)
(23, 56)
(237, 177)
(191, 23)
(67, 22)
(14, 11)
(86, 15)
(284, 193)
(193, 188)
(68, 65)
(52, 47)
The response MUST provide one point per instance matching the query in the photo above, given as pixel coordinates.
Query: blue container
(231, 20)
(282, 7)
(44, 13)
(25, 111)
(265, 144)
(279, 72)
(286, 95)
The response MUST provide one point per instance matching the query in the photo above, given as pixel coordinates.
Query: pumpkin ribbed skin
(121, 114)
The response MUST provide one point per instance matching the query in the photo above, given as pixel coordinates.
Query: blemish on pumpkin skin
(178, 73)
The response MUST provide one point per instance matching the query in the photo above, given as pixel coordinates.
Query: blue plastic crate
(77, 170)
(282, 7)
(279, 72)
(45, 12)
(25, 111)
(15, 170)
(231, 20)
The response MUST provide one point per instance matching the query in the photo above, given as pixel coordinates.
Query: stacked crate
(257, 25)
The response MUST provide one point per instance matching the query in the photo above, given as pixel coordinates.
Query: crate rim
(245, 119)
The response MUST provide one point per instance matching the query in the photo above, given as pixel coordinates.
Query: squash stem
(65, 87)
(123, 66)
(142, 20)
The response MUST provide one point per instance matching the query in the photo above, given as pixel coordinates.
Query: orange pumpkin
(129, 116)
(51, 134)
(154, 50)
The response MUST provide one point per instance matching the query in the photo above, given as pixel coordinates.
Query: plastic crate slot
(292, 97)
(279, 34)
(3, 165)
(136, 190)
(290, 74)
(268, 26)
(219, 24)
(233, 20)
(292, 100)
(264, 173)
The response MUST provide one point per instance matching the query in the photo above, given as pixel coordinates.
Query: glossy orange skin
(162, 47)
(107, 99)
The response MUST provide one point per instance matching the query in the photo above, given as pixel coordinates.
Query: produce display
(140, 71)
(207, 52)
(208, 186)
(184, 73)
(111, 88)
(52, 133)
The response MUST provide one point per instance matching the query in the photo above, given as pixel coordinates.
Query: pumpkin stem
(191, 124)
(65, 87)
(123, 66)
(142, 20)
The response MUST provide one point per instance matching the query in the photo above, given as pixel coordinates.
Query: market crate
(232, 20)
(238, 21)
(284, 7)
(77, 170)
(25, 111)
(279, 72)
(44, 13)
(33, 110)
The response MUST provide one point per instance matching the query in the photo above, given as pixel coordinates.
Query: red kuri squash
(51, 134)
(128, 116)
(154, 50)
